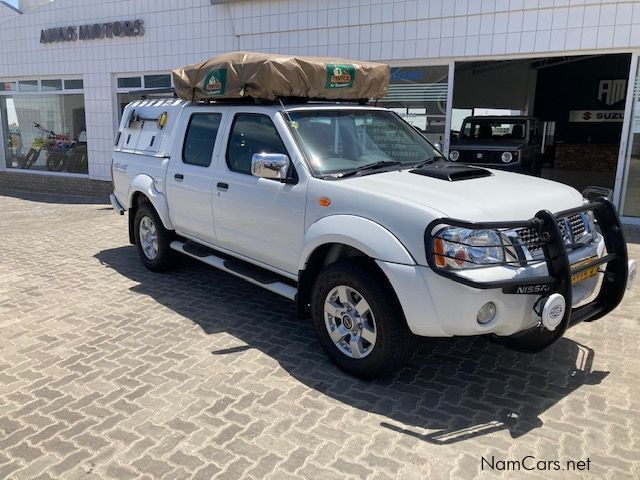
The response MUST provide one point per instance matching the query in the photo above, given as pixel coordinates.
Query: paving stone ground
(110, 371)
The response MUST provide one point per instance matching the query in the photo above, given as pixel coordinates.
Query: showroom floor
(110, 371)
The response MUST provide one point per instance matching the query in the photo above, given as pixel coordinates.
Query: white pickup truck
(351, 213)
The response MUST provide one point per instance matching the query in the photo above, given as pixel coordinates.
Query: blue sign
(408, 74)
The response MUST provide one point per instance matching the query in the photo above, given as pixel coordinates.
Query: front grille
(486, 156)
(572, 228)
(577, 226)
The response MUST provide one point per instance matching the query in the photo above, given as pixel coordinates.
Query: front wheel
(152, 239)
(359, 321)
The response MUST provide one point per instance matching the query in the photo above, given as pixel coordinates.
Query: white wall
(184, 31)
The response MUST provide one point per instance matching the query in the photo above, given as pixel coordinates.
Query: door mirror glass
(270, 165)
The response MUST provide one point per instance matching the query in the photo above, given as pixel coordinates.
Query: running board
(260, 277)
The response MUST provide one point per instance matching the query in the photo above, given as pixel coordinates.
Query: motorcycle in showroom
(62, 152)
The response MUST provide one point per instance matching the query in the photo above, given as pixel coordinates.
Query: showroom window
(129, 83)
(419, 95)
(44, 125)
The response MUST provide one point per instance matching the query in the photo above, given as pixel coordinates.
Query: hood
(503, 196)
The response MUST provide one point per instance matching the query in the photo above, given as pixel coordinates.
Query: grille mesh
(530, 238)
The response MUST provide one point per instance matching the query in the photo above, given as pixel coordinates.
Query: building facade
(67, 68)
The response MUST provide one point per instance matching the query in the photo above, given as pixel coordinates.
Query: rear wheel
(56, 161)
(152, 239)
(359, 321)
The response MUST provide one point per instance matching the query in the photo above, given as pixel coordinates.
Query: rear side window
(201, 138)
(251, 133)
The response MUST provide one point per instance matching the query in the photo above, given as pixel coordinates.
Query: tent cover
(264, 76)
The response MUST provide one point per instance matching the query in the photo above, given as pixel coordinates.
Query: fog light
(486, 313)
(553, 311)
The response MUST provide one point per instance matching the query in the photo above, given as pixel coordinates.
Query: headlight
(507, 157)
(454, 155)
(459, 248)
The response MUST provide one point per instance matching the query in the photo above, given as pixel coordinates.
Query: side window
(251, 133)
(200, 139)
(467, 130)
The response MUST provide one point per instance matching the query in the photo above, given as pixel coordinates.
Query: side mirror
(270, 165)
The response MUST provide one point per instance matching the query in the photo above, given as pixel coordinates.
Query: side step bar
(257, 277)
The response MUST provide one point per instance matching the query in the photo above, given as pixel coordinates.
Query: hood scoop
(451, 173)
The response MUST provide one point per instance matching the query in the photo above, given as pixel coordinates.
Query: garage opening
(558, 117)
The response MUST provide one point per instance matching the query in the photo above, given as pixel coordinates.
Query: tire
(156, 254)
(383, 322)
(56, 162)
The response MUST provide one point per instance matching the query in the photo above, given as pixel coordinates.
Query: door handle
(222, 186)
(179, 177)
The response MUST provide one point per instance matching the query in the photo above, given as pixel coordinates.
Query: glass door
(630, 198)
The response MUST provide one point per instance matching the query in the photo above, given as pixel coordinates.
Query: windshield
(340, 141)
(492, 129)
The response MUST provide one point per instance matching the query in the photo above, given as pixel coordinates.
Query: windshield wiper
(428, 161)
(370, 166)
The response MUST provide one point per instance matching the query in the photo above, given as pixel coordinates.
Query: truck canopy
(263, 76)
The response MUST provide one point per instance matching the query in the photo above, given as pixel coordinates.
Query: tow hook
(551, 310)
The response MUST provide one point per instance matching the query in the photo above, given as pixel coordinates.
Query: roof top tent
(580, 99)
(239, 75)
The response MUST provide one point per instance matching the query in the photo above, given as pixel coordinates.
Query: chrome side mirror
(270, 165)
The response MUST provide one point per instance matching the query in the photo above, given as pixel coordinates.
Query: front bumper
(558, 278)
(439, 302)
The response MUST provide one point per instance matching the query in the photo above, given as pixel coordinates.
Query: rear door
(190, 173)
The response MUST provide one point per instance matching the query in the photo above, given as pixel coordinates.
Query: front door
(190, 177)
(260, 218)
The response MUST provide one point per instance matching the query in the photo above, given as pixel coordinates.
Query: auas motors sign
(94, 31)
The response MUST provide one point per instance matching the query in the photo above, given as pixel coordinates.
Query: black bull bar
(560, 272)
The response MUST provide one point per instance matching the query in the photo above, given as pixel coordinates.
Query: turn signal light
(438, 249)
(324, 202)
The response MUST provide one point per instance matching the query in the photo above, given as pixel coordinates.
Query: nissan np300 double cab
(348, 211)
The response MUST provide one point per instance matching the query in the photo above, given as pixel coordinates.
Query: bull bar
(560, 272)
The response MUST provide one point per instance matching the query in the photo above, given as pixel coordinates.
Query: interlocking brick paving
(110, 371)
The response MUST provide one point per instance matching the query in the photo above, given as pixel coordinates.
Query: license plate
(585, 274)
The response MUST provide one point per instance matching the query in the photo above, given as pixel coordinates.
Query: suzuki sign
(596, 116)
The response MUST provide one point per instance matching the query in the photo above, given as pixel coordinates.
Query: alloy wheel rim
(350, 322)
(149, 238)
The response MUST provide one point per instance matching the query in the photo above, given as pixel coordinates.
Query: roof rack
(152, 92)
(278, 101)
(144, 94)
